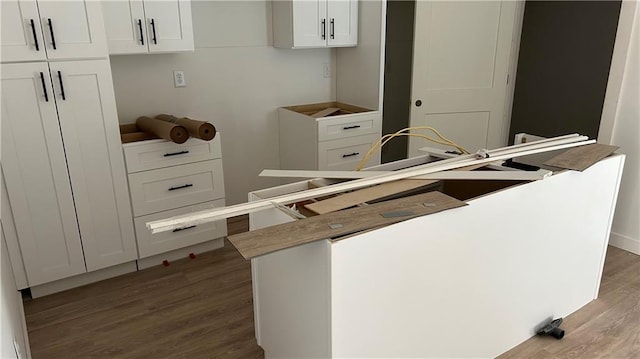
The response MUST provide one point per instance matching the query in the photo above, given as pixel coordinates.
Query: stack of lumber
(437, 168)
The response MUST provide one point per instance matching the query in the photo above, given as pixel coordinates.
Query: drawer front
(152, 244)
(345, 154)
(353, 125)
(167, 188)
(147, 155)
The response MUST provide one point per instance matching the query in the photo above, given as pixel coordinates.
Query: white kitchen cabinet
(137, 27)
(167, 179)
(337, 142)
(64, 169)
(315, 23)
(56, 30)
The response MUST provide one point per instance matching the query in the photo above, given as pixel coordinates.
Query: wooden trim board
(581, 158)
(270, 239)
(461, 161)
(444, 175)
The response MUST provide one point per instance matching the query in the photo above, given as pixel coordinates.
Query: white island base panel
(473, 281)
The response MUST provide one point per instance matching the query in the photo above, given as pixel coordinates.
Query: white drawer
(152, 154)
(152, 244)
(177, 186)
(357, 124)
(345, 154)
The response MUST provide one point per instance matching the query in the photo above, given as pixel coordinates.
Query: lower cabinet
(64, 170)
(168, 179)
(328, 136)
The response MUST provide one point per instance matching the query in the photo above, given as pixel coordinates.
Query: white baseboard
(623, 242)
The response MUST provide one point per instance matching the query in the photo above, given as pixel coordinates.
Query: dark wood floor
(202, 308)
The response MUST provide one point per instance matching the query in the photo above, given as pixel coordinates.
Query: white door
(89, 124)
(125, 27)
(36, 175)
(310, 27)
(461, 59)
(342, 17)
(21, 33)
(169, 25)
(73, 29)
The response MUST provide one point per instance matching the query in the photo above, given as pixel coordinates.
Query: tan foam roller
(168, 131)
(198, 129)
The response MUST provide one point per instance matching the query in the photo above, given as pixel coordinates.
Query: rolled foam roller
(168, 131)
(198, 129)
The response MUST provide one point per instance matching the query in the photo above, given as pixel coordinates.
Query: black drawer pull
(333, 28)
(61, 86)
(53, 38)
(44, 87)
(350, 154)
(153, 27)
(176, 153)
(181, 187)
(184, 228)
(35, 37)
(323, 29)
(351, 127)
(141, 34)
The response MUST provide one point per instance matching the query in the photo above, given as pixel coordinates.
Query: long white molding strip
(460, 161)
(443, 175)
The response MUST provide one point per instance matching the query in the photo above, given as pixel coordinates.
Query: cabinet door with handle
(21, 32)
(342, 19)
(36, 176)
(169, 25)
(125, 26)
(73, 29)
(89, 124)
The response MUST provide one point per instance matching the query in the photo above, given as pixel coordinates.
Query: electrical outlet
(179, 79)
(326, 70)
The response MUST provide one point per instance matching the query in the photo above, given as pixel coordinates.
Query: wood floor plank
(581, 158)
(202, 308)
(330, 225)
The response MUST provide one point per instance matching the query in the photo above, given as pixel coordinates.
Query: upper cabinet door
(310, 23)
(169, 25)
(342, 19)
(125, 26)
(21, 32)
(73, 29)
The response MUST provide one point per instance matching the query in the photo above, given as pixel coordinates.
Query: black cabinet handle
(35, 36)
(53, 38)
(181, 187)
(350, 154)
(351, 127)
(184, 228)
(153, 29)
(44, 87)
(61, 85)
(333, 28)
(176, 153)
(141, 34)
(323, 29)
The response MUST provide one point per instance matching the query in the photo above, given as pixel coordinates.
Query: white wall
(235, 80)
(626, 133)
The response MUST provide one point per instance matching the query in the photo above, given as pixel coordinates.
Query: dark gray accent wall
(563, 67)
(397, 75)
